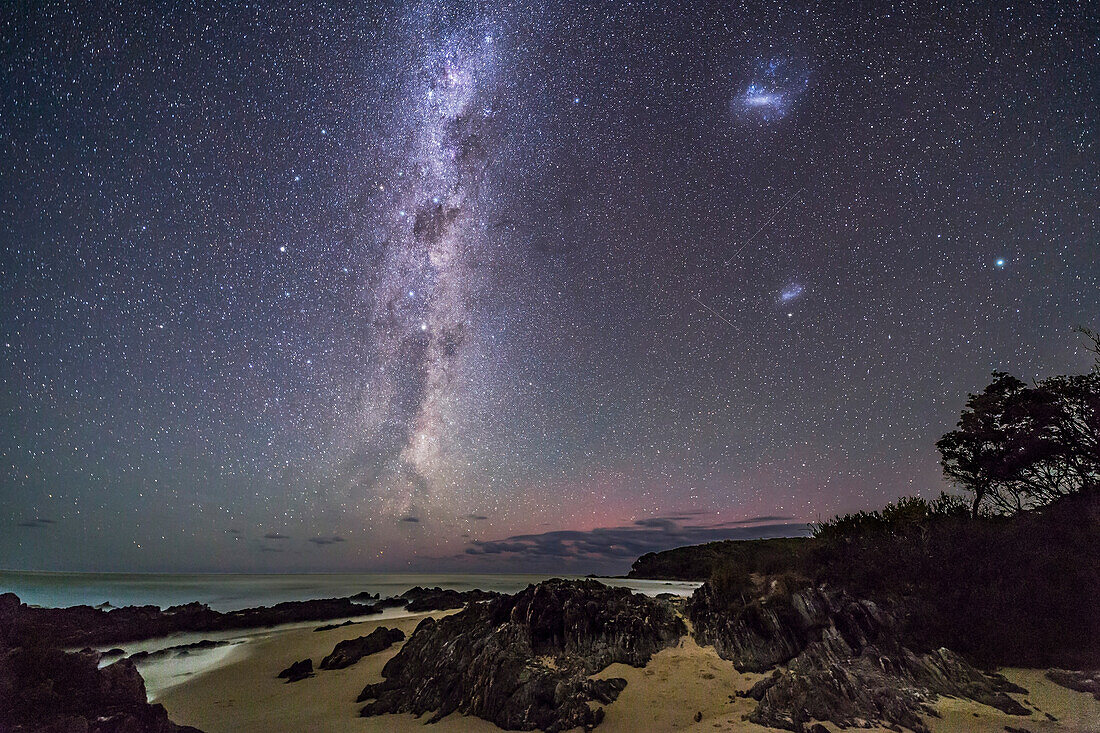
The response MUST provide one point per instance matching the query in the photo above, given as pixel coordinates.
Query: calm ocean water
(228, 592)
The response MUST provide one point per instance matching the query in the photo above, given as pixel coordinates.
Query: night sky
(516, 286)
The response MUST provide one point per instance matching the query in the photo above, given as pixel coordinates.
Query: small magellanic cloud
(790, 292)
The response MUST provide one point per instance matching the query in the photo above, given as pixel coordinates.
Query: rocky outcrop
(1081, 681)
(47, 690)
(347, 653)
(420, 599)
(330, 627)
(524, 661)
(297, 671)
(22, 625)
(844, 661)
(79, 626)
(180, 650)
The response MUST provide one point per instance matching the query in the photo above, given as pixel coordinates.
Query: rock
(298, 671)
(1081, 681)
(347, 653)
(364, 596)
(524, 661)
(605, 691)
(844, 661)
(698, 716)
(330, 627)
(756, 692)
(817, 728)
(180, 650)
(442, 599)
(23, 625)
(44, 690)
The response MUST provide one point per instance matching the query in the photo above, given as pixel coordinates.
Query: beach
(242, 693)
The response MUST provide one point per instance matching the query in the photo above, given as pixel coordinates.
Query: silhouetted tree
(1017, 447)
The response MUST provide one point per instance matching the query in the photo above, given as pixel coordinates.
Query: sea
(230, 592)
(233, 591)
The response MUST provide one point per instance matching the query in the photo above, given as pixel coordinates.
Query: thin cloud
(476, 517)
(37, 523)
(275, 536)
(410, 519)
(320, 541)
(628, 542)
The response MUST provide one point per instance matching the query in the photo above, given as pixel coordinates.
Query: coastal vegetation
(1008, 575)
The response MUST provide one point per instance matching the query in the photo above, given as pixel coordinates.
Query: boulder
(45, 690)
(420, 599)
(524, 661)
(1081, 681)
(297, 671)
(347, 653)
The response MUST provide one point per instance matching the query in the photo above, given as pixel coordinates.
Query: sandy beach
(243, 695)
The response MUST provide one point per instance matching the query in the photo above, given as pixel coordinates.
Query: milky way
(517, 286)
(419, 315)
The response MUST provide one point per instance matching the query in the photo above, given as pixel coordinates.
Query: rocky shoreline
(78, 626)
(538, 659)
(523, 661)
(837, 658)
(44, 688)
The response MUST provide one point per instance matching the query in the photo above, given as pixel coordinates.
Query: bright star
(1000, 262)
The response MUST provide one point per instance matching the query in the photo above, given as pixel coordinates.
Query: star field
(367, 286)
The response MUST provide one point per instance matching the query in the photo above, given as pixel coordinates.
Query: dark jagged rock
(44, 690)
(524, 661)
(442, 599)
(364, 596)
(180, 650)
(1082, 681)
(23, 625)
(844, 661)
(347, 653)
(330, 627)
(298, 671)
